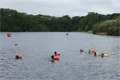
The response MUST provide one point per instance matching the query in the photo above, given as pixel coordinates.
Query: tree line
(14, 21)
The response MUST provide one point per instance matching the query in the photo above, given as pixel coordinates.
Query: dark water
(37, 48)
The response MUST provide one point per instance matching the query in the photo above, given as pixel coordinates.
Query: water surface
(37, 48)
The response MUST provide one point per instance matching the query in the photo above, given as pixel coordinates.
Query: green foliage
(112, 27)
(13, 21)
(87, 22)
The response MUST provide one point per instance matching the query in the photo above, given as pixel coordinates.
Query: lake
(36, 49)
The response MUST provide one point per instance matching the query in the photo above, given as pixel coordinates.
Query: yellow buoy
(96, 53)
(105, 55)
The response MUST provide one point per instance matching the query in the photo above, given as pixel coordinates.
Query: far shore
(102, 33)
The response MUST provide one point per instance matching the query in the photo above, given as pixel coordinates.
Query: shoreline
(102, 33)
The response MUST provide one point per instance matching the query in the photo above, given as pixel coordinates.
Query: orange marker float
(93, 51)
(8, 34)
(55, 57)
(66, 33)
(16, 44)
(18, 57)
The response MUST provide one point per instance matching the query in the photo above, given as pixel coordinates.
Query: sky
(59, 8)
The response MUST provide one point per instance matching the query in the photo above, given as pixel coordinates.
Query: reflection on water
(37, 48)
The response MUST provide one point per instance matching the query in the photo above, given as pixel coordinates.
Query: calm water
(37, 48)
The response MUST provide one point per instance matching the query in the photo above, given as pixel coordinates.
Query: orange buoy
(66, 33)
(16, 44)
(8, 34)
(93, 51)
(56, 57)
(18, 57)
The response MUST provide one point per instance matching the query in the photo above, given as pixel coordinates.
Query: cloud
(62, 7)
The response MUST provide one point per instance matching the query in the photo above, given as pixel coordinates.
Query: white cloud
(62, 7)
